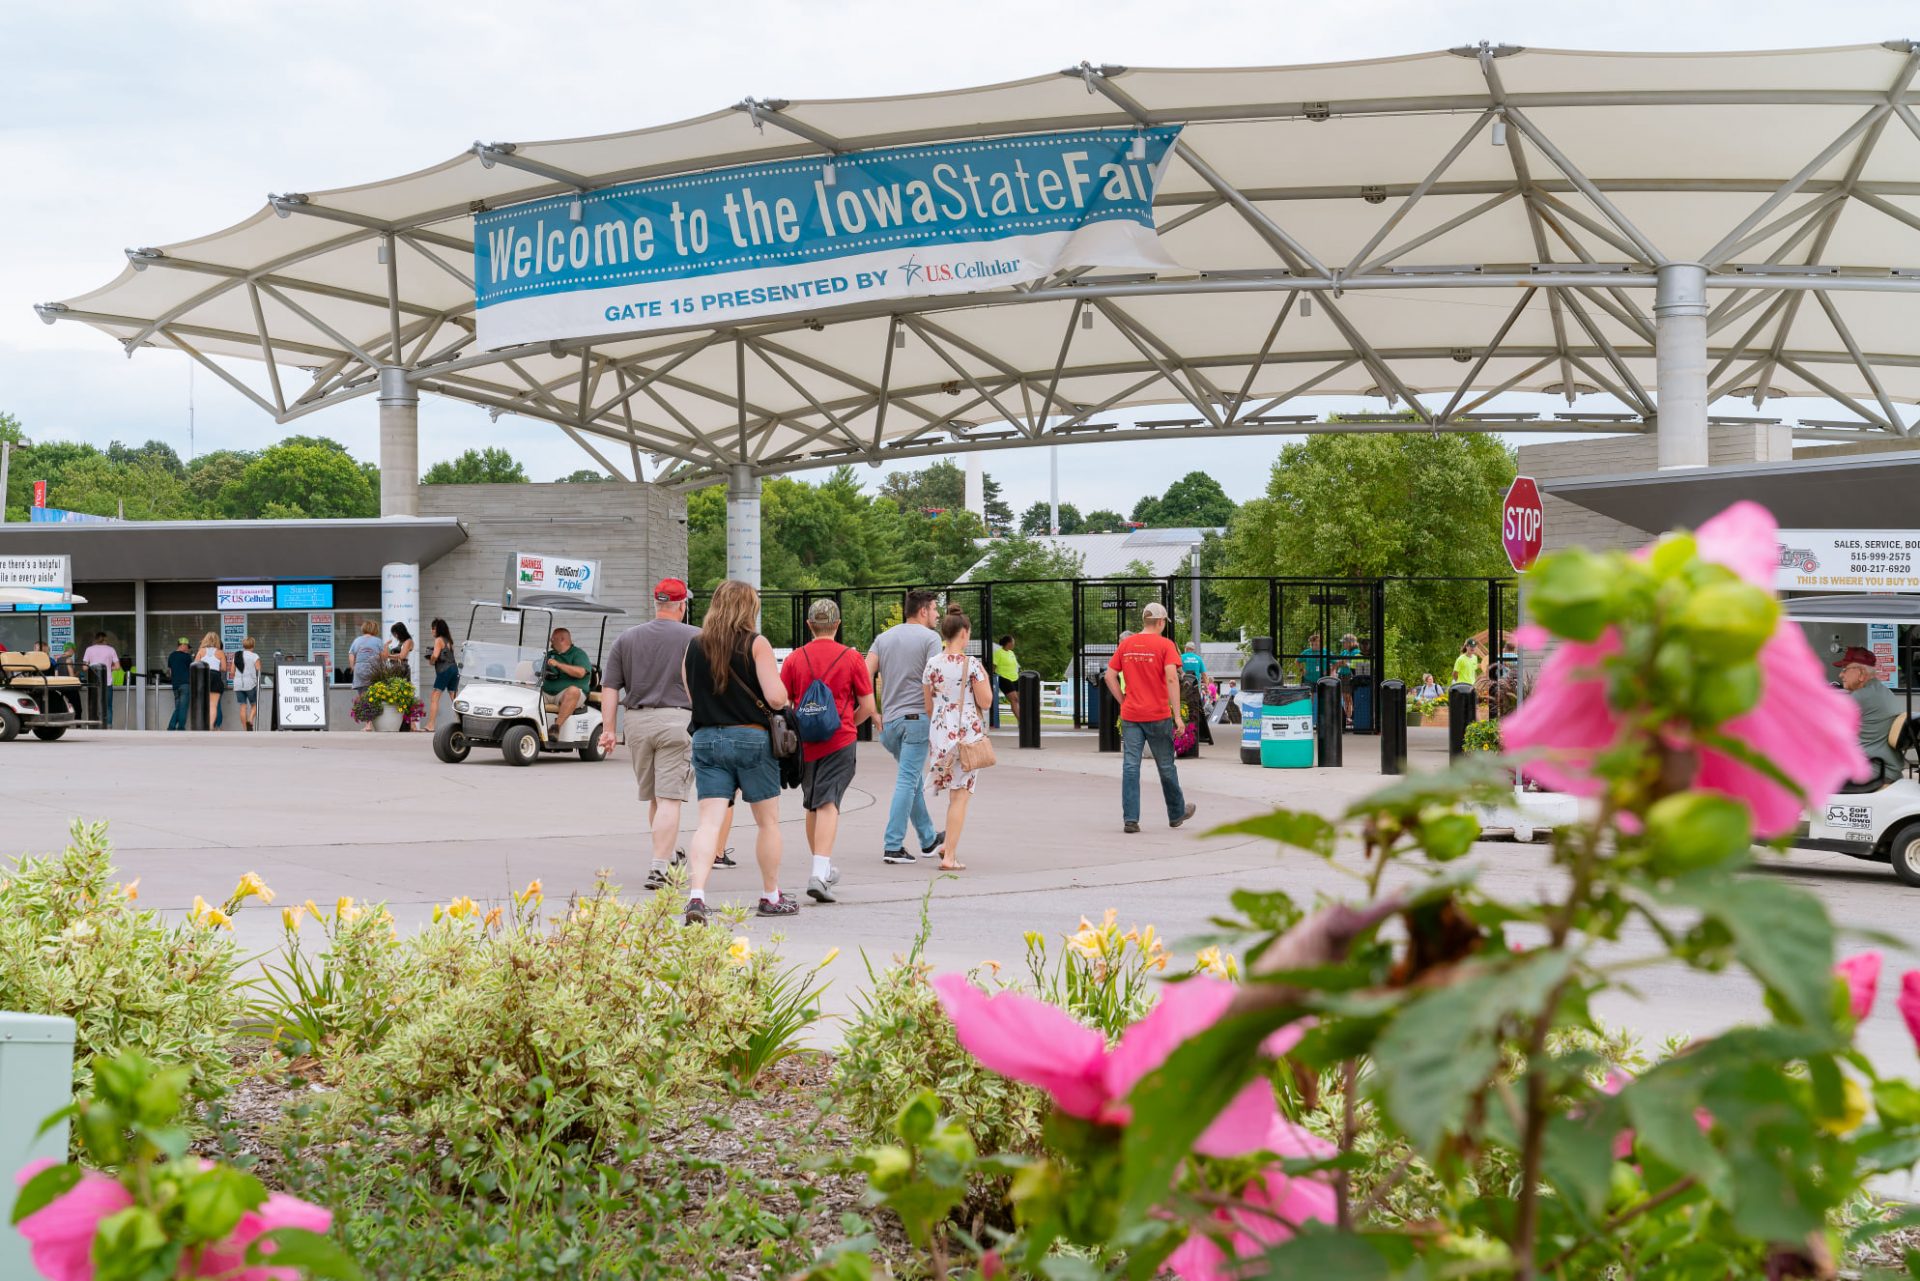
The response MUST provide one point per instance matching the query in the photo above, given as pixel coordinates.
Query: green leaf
(916, 1118)
(1571, 594)
(1662, 1105)
(1579, 1158)
(319, 1257)
(1896, 1102)
(1446, 837)
(1441, 1049)
(1780, 933)
(1176, 1102)
(1691, 830)
(45, 1188)
(1337, 1256)
(1297, 828)
(213, 1201)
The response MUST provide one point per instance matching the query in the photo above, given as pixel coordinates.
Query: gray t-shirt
(1878, 708)
(644, 664)
(904, 651)
(365, 652)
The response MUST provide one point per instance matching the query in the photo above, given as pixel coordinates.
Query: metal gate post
(1076, 670)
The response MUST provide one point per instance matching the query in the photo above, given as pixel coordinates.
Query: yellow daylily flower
(313, 909)
(345, 912)
(342, 904)
(462, 908)
(534, 890)
(251, 886)
(290, 917)
(204, 913)
(994, 966)
(131, 889)
(492, 918)
(1210, 960)
(740, 950)
(828, 959)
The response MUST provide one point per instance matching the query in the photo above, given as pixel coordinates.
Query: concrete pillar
(400, 603)
(399, 443)
(1680, 351)
(743, 524)
(138, 690)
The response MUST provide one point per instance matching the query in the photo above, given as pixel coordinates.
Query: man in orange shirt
(1145, 676)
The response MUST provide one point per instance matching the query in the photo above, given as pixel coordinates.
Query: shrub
(73, 942)
(340, 1002)
(1482, 736)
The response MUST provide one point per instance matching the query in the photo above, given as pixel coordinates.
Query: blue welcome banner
(803, 235)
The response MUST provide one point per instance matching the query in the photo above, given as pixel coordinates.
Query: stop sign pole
(1522, 529)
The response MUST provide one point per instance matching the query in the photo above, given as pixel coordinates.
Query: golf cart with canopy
(500, 702)
(1881, 825)
(32, 696)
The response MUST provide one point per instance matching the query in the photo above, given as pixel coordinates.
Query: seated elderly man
(1878, 710)
(568, 675)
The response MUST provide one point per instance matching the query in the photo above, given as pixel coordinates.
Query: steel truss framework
(1436, 231)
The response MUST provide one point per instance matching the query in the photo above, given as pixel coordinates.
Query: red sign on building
(39, 493)
(1522, 523)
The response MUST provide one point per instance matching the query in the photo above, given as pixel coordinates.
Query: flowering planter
(389, 719)
(1435, 720)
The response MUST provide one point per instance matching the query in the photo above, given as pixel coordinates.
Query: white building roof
(1465, 222)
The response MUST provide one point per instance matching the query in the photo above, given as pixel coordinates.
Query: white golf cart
(500, 702)
(1883, 825)
(32, 697)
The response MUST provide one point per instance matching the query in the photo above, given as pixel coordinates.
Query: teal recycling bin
(1286, 728)
(1251, 708)
(36, 1080)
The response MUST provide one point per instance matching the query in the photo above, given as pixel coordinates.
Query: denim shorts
(727, 758)
(447, 678)
(247, 696)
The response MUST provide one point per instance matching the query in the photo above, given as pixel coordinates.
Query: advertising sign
(44, 573)
(61, 516)
(1881, 640)
(1522, 523)
(320, 638)
(300, 695)
(801, 235)
(545, 572)
(400, 602)
(1849, 560)
(303, 596)
(39, 493)
(60, 633)
(233, 630)
(243, 596)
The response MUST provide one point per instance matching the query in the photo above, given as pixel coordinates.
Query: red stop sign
(1521, 522)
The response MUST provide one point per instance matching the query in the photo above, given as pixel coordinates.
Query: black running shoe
(932, 848)
(896, 857)
(786, 906)
(656, 878)
(725, 858)
(696, 911)
(1132, 828)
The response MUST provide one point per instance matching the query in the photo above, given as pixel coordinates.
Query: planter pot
(1435, 720)
(389, 720)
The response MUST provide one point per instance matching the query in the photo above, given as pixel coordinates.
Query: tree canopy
(1036, 519)
(1196, 499)
(1038, 614)
(489, 466)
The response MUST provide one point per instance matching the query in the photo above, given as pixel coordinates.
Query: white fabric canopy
(1464, 223)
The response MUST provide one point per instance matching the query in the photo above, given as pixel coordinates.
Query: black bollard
(1390, 713)
(196, 697)
(1328, 719)
(98, 694)
(1109, 720)
(1461, 709)
(1026, 698)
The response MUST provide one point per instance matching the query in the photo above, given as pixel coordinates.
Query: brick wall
(638, 533)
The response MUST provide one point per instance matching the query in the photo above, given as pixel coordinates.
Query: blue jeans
(179, 718)
(1159, 736)
(906, 741)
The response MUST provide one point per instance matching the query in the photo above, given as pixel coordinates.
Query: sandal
(951, 867)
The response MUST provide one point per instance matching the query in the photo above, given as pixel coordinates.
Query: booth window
(272, 630)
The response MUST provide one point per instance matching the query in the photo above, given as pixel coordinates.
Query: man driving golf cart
(1879, 710)
(568, 675)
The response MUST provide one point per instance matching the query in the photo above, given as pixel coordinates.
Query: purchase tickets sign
(1849, 560)
(804, 235)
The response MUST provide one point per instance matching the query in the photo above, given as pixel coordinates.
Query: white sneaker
(821, 890)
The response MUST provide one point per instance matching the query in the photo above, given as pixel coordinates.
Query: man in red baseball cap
(670, 591)
(644, 678)
(1860, 677)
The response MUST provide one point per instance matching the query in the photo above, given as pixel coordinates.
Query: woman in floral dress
(956, 692)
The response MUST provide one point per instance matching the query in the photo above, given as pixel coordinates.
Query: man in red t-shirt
(1145, 676)
(826, 768)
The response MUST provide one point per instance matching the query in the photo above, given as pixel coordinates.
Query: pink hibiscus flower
(60, 1234)
(1028, 1040)
(1908, 1003)
(1275, 1206)
(1862, 975)
(1802, 725)
(278, 1211)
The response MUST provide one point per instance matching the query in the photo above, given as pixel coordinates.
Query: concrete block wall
(638, 533)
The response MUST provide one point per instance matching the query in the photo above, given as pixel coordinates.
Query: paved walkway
(377, 817)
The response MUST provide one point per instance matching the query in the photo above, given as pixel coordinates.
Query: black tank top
(737, 706)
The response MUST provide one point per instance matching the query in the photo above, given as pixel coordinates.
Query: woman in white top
(215, 660)
(246, 683)
(956, 693)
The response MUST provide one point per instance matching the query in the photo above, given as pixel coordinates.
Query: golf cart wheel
(48, 733)
(1903, 851)
(590, 750)
(450, 743)
(9, 725)
(520, 745)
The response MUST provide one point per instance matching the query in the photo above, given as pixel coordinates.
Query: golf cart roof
(39, 597)
(551, 601)
(1852, 609)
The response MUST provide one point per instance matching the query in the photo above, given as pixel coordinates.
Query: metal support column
(743, 524)
(136, 688)
(1680, 350)
(399, 443)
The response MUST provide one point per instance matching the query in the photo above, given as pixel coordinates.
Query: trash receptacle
(1363, 722)
(36, 1080)
(1261, 673)
(1286, 727)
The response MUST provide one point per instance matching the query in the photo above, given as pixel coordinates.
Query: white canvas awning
(1462, 222)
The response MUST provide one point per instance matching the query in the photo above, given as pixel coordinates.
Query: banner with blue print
(805, 235)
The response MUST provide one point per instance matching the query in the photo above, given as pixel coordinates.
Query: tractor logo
(1800, 558)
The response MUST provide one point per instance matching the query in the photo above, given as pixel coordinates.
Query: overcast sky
(125, 124)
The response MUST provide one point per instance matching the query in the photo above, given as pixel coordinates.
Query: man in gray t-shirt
(645, 676)
(898, 658)
(1878, 710)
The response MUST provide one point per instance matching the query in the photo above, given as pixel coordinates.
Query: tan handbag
(978, 755)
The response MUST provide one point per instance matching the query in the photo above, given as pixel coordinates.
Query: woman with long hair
(446, 668)
(734, 686)
(956, 693)
(214, 659)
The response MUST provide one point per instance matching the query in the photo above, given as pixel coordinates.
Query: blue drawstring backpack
(816, 713)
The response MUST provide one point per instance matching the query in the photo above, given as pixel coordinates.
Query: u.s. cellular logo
(915, 272)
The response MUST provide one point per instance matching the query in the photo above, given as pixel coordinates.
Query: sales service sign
(1848, 560)
(1522, 524)
(803, 235)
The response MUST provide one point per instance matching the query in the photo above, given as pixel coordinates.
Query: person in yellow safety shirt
(1466, 668)
(1006, 673)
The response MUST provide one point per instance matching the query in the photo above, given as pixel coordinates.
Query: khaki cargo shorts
(661, 748)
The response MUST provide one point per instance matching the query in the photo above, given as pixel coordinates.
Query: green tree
(1372, 505)
(1195, 500)
(585, 476)
(1103, 521)
(940, 486)
(998, 515)
(157, 452)
(324, 483)
(48, 461)
(490, 466)
(10, 429)
(1034, 520)
(1039, 614)
(144, 489)
(210, 473)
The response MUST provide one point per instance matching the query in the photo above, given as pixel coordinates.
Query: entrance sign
(1522, 523)
(300, 695)
(52, 574)
(545, 572)
(799, 235)
(244, 596)
(1849, 560)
